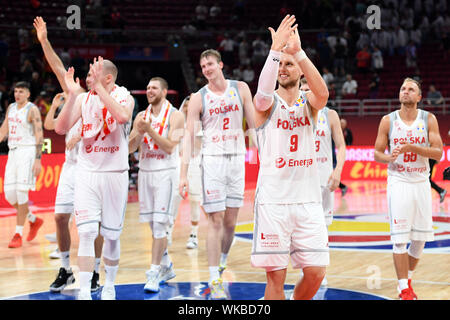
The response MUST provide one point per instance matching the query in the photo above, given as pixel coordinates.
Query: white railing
(369, 107)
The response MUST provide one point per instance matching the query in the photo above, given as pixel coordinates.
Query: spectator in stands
(446, 45)
(201, 14)
(243, 51)
(363, 59)
(238, 10)
(348, 135)
(26, 70)
(327, 76)
(400, 40)
(434, 97)
(43, 101)
(238, 72)
(411, 55)
(215, 10)
(35, 84)
(349, 88)
(116, 18)
(340, 55)
(260, 51)
(374, 86)
(377, 59)
(4, 50)
(249, 74)
(226, 48)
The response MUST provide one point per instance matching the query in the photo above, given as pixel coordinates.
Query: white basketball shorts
(289, 231)
(327, 204)
(410, 211)
(157, 190)
(223, 182)
(19, 169)
(66, 189)
(101, 197)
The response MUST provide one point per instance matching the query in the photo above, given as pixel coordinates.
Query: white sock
(403, 284)
(194, 230)
(31, 217)
(223, 259)
(85, 281)
(110, 275)
(65, 259)
(165, 261)
(155, 267)
(410, 274)
(213, 273)
(97, 264)
(19, 230)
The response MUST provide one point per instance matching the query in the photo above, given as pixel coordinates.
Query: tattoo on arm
(36, 121)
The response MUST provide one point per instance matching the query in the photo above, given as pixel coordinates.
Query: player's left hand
(37, 167)
(96, 72)
(294, 44)
(334, 180)
(143, 125)
(404, 147)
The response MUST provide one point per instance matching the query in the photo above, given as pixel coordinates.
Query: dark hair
(162, 81)
(22, 84)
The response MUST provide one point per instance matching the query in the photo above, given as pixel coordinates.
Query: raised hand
(41, 28)
(283, 33)
(71, 84)
(293, 45)
(95, 72)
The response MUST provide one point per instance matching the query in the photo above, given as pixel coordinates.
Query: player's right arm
(50, 121)
(135, 135)
(4, 129)
(52, 58)
(381, 143)
(193, 116)
(71, 110)
(267, 82)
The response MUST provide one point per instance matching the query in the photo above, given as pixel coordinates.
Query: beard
(155, 100)
(288, 84)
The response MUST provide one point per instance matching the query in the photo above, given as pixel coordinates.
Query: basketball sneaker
(152, 284)
(55, 254)
(51, 237)
(108, 293)
(166, 273)
(95, 281)
(442, 196)
(344, 190)
(410, 288)
(34, 227)
(64, 278)
(217, 290)
(16, 241)
(407, 294)
(192, 242)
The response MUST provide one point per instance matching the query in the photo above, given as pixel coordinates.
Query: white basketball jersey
(409, 166)
(324, 146)
(20, 130)
(288, 170)
(151, 156)
(222, 120)
(109, 153)
(72, 155)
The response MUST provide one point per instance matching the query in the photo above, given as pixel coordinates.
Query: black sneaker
(63, 279)
(95, 282)
(344, 190)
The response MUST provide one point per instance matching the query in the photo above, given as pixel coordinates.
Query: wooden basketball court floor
(360, 254)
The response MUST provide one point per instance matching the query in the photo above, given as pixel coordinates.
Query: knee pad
(86, 247)
(111, 249)
(416, 248)
(22, 197)
(159, 229)
(11, 197)
(195, 211)
(399, 248)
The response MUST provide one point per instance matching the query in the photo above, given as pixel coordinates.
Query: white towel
(97, 120)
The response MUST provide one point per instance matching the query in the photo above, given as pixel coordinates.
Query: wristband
(301, 55)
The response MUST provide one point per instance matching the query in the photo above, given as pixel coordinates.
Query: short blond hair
(408, 79)
(211, 52)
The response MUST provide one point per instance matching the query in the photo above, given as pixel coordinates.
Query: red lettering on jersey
(224, 109)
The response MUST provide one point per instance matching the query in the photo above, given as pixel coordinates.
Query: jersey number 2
(226, 122)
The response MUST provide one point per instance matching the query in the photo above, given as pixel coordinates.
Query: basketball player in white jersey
(65, 192)
(220, 106)
(194, 178)
(328, 129)
(412, 137)
(23, 128)
(101, 182)
(157, 132)
(289, 219)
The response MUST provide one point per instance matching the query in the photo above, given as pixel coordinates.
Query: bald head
(110, 68)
